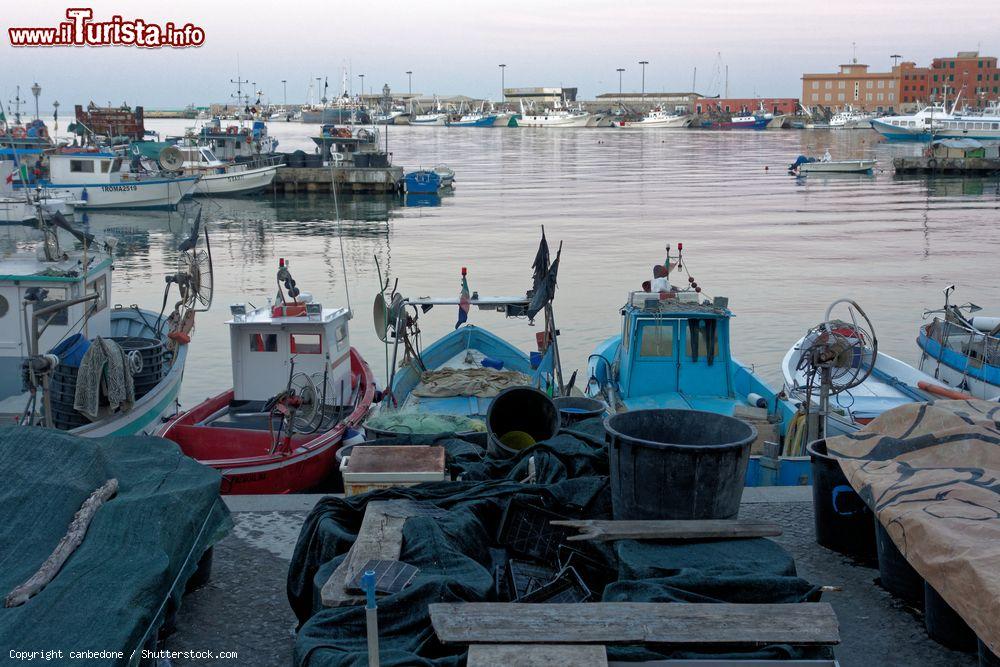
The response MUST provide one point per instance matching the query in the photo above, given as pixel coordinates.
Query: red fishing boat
(298, 388)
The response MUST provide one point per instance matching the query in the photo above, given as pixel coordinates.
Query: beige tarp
(931, 472)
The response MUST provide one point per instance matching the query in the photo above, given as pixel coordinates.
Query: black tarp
(458, 555)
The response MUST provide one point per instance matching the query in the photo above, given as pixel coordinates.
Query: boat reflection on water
(427, 199)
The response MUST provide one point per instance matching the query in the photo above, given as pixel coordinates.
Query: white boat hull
(236, 182)
(672, 121)
(429, 119)
(838, 167)
(158, 193)
(555, 120)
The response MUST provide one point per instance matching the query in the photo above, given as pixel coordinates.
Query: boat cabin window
(657, 341)
(263, 342)
(81, 166)
(4, 306)
(699, 336)
(306, 343)
(105, 166)
(100, 286)
(116, 165)
(341, 334)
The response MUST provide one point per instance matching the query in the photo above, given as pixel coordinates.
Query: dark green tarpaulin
(141, 545)
(457, 555)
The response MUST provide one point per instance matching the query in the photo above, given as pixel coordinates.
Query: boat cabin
(28, 284)
(235, 143)
(269, 345)
(86, 168)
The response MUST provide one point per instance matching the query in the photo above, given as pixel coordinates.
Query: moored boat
(423, 181)
(657, 117)
(827, 165)
(298, 386)
(936, 122)
(962, 349)
(216, 177)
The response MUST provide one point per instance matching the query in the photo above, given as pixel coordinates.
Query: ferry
(936, 122)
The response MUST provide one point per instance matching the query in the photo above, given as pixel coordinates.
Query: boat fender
(248, 138)
(179, 337)
(756, 400)
(943, 392)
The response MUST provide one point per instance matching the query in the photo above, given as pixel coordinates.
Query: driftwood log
(67, 545)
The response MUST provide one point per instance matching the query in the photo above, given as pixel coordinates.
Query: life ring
(18, 133)
(344, 132)
(932, 164)
(232, 129)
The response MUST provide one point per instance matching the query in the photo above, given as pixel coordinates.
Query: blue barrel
(71, 350)
(677, 464)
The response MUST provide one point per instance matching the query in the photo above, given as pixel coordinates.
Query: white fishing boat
(70, 359)
(103, 180)
(26, 204)
(658, 117)
(849, 119)
(845, 352)
(218, 177)
(962, 349)
(556, 117)
(433, 118)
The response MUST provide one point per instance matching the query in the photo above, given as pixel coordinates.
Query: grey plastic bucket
(677, 464)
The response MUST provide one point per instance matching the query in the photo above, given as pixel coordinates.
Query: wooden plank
(805, 623)
(539, 655)
(380, 538)
(703, 529)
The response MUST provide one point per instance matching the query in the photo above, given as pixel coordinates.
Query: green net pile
(422, 423)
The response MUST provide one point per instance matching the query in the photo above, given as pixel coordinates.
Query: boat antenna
(335, 159)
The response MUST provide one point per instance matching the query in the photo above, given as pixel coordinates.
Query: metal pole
(284, 92)
(409, 82)
(503, 95)
(643, 63)
(620, 70)
(371, 617)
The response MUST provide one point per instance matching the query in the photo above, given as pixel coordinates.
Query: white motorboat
(103, 180)
(936, 122)
(827, 165)
(658, 117)
(849, 119)
(25, 205)
(433, 118)
(218, 177)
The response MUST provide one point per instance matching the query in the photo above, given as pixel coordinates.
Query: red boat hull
(244, 456)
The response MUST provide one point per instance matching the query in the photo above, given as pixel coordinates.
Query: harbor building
(670, 101)
(541, 97)
(976, 77)
(745, 105)
(856, 87)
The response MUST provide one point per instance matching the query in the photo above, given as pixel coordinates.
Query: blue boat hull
(485, 121)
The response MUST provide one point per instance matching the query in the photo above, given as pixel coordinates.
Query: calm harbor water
(780, 248)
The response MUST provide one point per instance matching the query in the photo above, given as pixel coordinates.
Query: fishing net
(495, 532)
(105, 370)
(411, 421)
(481, 382)
(140, 549)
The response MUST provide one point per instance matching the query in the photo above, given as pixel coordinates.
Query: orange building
(976, 77)
(854, 86)
(745, 105)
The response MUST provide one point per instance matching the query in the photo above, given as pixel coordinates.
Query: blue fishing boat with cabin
(448, 385)
(473, 119)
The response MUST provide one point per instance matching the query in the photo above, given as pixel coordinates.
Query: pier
(360, 180)
(970, 166)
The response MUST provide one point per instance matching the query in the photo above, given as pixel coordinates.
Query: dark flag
(541, 263)
(545, 289)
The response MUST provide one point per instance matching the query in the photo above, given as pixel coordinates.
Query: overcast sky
(454, 46)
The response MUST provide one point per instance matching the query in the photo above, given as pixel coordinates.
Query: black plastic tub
(518, 418)
(842, 520)
(573, 409)
(896, 575)
(944, 625)
(677, 464)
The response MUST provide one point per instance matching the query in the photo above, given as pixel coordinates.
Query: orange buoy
(943, 392)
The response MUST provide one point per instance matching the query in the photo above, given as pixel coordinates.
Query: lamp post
(362, 77)
(36, 90)
(644, 63)
(503, 69)
(284, 92)
(620, 70)
(409, 82)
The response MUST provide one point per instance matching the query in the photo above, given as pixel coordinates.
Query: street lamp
(36, 90)
(620, 70)
(284, 92)
(362, 77)
(409, 82)
(643, 63)
(503, 69)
